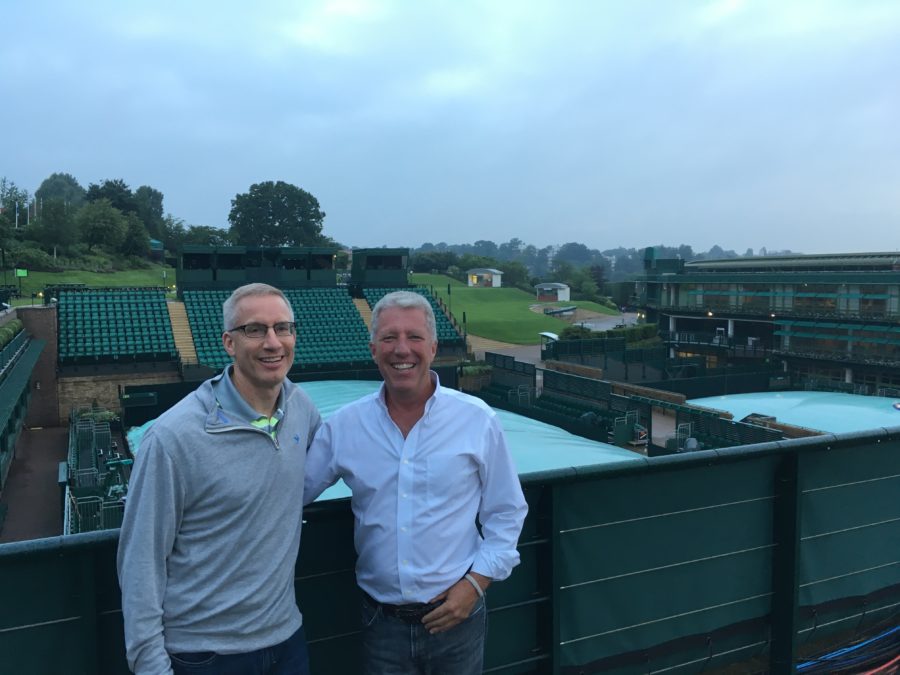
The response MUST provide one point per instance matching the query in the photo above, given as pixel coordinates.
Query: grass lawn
(35, 282)
(438, 281)
(500, 313)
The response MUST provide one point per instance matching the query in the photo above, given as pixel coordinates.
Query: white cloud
(334, 27)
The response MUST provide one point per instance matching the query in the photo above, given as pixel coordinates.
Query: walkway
(31, 493)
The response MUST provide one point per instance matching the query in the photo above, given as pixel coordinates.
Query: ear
(228, 343)
(372, 350)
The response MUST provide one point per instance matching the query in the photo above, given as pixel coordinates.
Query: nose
(271, 340)
(401, 345)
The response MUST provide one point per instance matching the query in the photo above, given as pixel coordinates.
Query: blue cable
(846, 650)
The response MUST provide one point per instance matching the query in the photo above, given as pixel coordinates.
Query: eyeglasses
(257, 331)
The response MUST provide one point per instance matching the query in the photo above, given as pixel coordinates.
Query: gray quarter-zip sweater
(212, 530)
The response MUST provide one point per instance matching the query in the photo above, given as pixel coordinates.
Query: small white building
(552, 292)
(484, 276)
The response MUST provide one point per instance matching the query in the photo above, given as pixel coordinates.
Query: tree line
(109, 226)
(584, 269)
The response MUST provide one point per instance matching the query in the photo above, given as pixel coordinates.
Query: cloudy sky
(742, 123)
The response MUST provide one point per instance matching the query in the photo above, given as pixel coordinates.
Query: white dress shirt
(415, 499)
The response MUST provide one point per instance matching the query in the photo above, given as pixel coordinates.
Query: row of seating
(330, 328)
(109, 324)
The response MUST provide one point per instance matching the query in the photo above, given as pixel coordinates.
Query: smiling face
(260, 365)
(403, 350)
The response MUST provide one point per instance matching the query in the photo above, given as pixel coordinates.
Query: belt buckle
(414, 613)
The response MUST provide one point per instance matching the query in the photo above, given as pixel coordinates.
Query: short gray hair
(229, 309)
(403, 300)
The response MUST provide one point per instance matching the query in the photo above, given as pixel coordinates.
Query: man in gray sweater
(212, 519)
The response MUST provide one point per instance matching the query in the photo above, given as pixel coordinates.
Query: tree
(628, 265)
(101, 224)
(116, 191)
(55, 226)
(515, 274)
(583, 286)
(275, 214)
(61, 186)
(433, 260)
(598, 274)
(510, 250)
(13, 201)
(205, 235)
(173, 232)
(685, 252)
(485, 248)
(578, 255)
(136, 240)
(470, 261)
(149, 204)
(562, 270)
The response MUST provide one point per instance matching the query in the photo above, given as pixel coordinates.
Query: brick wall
(102, 389)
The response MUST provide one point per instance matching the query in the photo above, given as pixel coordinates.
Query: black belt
(411, 613)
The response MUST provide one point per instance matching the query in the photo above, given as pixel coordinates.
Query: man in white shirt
(423, 462)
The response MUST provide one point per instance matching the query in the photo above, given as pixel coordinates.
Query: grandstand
(18, 355)
(758, 553)
(330, 329)
(113, 324)
(831, 317)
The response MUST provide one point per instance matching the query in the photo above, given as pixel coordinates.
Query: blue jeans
(287, 658)
(392, 646)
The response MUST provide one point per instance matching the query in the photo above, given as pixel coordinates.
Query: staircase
(181, 331)
(364, 311)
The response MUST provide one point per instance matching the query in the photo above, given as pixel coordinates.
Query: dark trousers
(290, 657)
(396, 646)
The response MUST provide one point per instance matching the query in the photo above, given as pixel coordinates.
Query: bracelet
(468, 577)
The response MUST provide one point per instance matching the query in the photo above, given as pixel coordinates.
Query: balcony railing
(736, 347)
(842, 357)
(779, 312)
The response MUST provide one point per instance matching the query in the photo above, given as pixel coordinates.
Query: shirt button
(404, 495)
(406, 461)
(403, 529)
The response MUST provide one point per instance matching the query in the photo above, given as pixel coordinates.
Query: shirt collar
(435, 380)
(230, 401)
